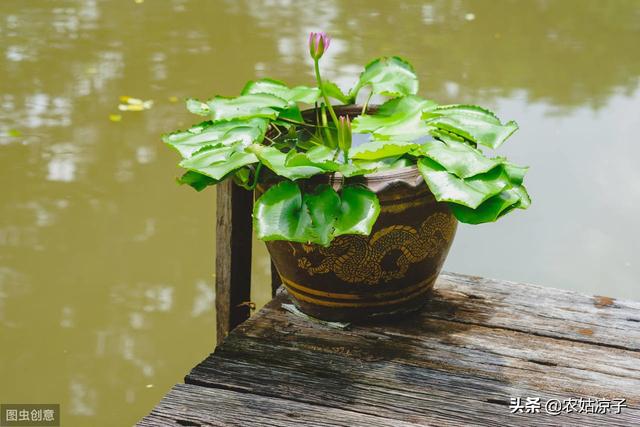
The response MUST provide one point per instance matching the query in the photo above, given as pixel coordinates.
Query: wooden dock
(476, 348)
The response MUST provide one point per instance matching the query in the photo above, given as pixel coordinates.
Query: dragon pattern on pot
(358, 259)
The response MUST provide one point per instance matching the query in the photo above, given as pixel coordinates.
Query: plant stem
(255, 177)
(324, 95)
(297, 122)
(325, 127)
(366, 104)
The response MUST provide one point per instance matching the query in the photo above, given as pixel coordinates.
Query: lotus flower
(318, 44)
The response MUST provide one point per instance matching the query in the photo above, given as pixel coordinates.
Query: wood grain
(476, 344)
(233, 256)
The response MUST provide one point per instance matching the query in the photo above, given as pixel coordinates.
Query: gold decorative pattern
(390, 295)
(358, 259)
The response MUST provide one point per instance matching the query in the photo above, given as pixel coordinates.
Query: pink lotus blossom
(318, 44)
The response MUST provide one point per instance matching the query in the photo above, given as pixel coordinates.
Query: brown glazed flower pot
(390, 271)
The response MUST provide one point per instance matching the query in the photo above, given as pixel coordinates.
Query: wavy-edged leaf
(291, 112)
(209, 134)
(365, 167)
(276, 160)
(471, 192)
(490, 210)
(474, 123)
(279, 214)
(359, 210)
(323, 206)
(525, 199)
(218, 162)
(407, 104)
(319, 156)
(333, 91)
(457, 157)
(198, 107)
(283, 212)
(399, 118)
(246, 106)
(196, 180)
(241, 177)
(410, 129)
(304, 94)
(375, 150)
(516, 173)
(389, 76)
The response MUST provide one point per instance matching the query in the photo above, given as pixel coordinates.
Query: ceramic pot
(389, 272)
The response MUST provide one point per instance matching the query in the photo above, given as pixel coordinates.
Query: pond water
(106, 266)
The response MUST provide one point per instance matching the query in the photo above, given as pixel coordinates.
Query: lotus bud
(318, 44)
(344, 133)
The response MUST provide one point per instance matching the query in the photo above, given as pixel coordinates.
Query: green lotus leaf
(490, 210)
(412, 128)
(196, 180)
(276, 160)
(364, 167)
(279, 214)
(209, 134)
(471, 122)
(304, 94)
(241, 177)
(359, 210)
(407, 104)
(333, 91)
(198, 107)
(470, 192)
(319, 156)
(389, 76)
(323, 206)
(291, 112)
(246, 106)
(283, 212)
(457, 157)
(516, 173)
(525, 200)
(394, 112)
(375, 150)
(219, 161)
(399, 118)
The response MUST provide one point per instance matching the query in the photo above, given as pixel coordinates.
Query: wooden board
(477, 344)
(233, 256)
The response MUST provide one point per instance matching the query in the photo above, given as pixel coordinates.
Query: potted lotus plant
(358, 204)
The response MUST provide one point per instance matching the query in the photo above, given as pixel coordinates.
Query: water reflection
(106, 267)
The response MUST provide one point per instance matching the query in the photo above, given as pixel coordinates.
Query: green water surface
(106, 266)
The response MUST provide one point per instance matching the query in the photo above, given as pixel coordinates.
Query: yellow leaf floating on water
(128, 103)
(173, 99)
(132, 107)
(14, 132)
(115, 117)
(130, 100)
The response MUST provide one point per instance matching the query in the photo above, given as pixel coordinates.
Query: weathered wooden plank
(233, 256)
(540, 363)
(436, 386)
(461, 359)
(536, 310)
(189, 405)
(386, 389)
(477, 343)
